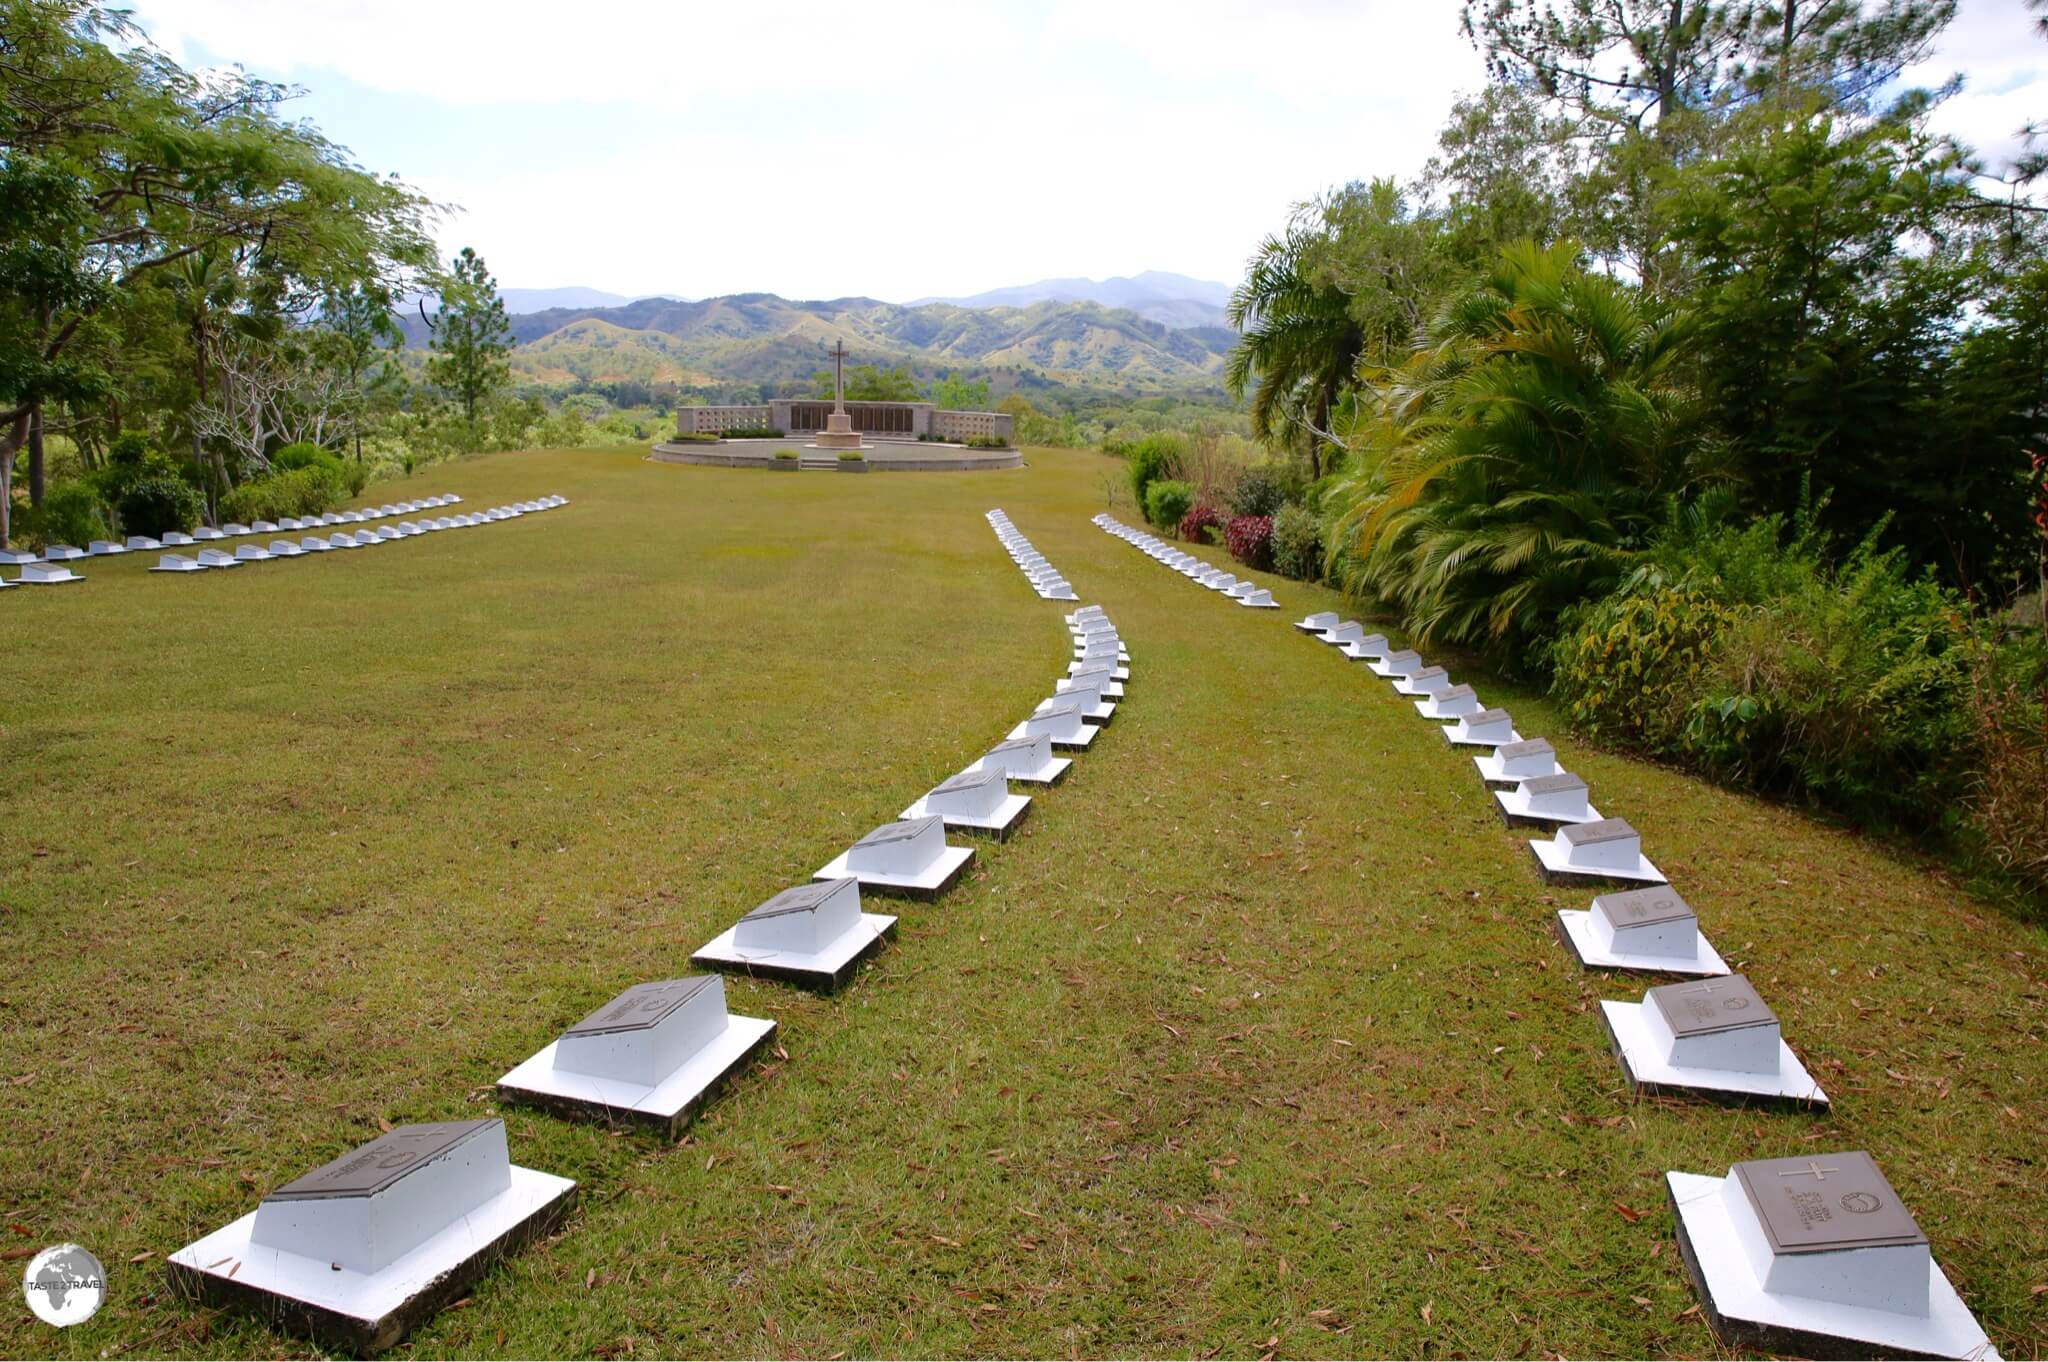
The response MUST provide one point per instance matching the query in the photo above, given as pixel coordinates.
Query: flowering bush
(1196, 524)
(1250, 538)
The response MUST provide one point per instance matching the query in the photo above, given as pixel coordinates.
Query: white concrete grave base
(918, 866)
(1520, 808)
(1559, 863)
(1026, 761)
(1645, 1063)
(1077, 739)
(1744, 1315)
(368, 1311)
(666, 1105)
(1496, 770)
(1100, 712)
(998, 824)
(1120, 673)
(826, 967)
(1576, 928)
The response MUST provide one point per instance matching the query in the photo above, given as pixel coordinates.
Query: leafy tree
(128, 165)
(1635, 63)
(954, 393)
(867, 383)
(1519, 456)
(1832, 288)
(1298, 340)
(472, 336)
(360, 332)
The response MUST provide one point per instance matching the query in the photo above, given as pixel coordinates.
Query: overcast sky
(900, 148)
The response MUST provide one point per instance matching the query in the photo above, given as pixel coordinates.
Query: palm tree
(1515, 462)
(1298, 345)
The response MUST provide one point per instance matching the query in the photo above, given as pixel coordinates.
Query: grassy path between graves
(1256, 1042)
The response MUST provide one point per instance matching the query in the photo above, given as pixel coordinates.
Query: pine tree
(471, 337)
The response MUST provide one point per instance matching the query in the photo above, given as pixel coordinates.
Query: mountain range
(1156, 295)
(757, 338)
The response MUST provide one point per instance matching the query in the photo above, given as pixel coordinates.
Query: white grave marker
(1816, 1256)
(1028, 761)
(813, 935)
(1484, 728)
(1511, 763)
(1649, 931)
(909, 857)
(1063, 722)
(1607, 850)
(975, 800)
(1452, 702)
(360, 1251)
(651, 1056)
(1545, 802)
(1713, 1037)
(46, 574)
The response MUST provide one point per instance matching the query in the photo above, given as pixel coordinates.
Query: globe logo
(64, 1285)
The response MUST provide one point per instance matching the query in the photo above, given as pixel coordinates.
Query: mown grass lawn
(1256, 1042)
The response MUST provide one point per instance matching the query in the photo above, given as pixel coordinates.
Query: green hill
(760, 338)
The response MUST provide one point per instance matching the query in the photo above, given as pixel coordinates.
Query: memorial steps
(1770, 1254)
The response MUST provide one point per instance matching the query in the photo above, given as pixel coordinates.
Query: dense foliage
(1697, 375)
(184, 264)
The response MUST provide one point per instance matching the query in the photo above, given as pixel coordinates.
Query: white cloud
(968, 145)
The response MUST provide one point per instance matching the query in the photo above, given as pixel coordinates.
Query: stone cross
(838, 376)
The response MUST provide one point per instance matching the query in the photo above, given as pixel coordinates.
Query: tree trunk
(17, 433)
(35, 455)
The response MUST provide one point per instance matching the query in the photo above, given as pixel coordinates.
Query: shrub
(129, 449)
(851, 456)
(1631, 668)
(986, 442)
(789, 454)
(1166, 501)
(295, 492)
(1250, 538)
(1262, 489)
(1848, 687)
(1150, 459)
(695, 437)
(304, 454)
(752, 433)
(158, 504)
(1197, 525)
(70, 514)
(1298, 544)
(2008, 815)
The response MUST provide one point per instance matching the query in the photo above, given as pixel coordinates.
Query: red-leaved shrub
(1194, 524)
(1250, 538)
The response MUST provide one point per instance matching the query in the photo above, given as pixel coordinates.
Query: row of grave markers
(38, 570)
(1045, 579)
(360, 1251)
(359, 539)
(1796, 1255)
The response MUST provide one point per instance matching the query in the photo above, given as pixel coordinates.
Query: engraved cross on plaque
(839, 376)
(1812, 1170)
(1712, 988)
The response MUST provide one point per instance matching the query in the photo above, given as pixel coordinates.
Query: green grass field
(1257, 1041)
